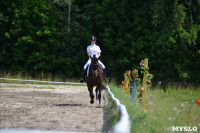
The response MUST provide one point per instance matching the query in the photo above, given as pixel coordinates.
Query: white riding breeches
(101, 65)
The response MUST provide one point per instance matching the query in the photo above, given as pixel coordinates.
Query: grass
(175, 107)
(111, 117)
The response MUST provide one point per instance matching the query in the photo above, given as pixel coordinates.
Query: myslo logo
(184, 128)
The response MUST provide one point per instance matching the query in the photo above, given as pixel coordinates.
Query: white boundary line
(44, 81)
(124, 124)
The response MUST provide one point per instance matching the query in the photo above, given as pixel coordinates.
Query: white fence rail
(124, 124)
(44, 81)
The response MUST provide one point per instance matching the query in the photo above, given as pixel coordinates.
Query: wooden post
(144, 83)
(127, 80)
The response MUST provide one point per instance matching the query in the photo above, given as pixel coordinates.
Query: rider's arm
(99, 54)
(88, 54)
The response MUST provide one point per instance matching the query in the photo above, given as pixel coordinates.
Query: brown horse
(95, 78)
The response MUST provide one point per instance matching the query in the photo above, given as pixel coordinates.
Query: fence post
(128, 80)
(133, 93)
(144, 83)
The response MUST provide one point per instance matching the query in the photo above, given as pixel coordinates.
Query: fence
(124, 124)
(38, 81)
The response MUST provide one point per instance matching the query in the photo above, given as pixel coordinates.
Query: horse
(95, 78)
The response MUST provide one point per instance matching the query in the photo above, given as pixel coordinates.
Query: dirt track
(49, 107)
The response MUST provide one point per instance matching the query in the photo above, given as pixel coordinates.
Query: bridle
(94, 67)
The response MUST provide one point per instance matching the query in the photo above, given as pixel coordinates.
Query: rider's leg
(84, 75)
(104, 71)
(85, 71)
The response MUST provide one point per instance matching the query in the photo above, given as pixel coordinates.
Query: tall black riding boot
(104, 75)
(84, 75)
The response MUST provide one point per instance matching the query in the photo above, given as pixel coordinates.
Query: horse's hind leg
(91, 94)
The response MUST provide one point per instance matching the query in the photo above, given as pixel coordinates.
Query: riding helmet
(93, 38)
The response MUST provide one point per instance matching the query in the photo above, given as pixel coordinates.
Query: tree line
(52, 36)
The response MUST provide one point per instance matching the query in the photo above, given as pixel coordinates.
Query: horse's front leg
(96, 90)
(90, 89)
(99, 95)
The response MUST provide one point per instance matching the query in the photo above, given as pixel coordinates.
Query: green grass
(111, 117)
(175, 107)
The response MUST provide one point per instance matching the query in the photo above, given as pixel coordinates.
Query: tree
(32, 35)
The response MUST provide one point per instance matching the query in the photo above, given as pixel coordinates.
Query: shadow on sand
(70, 105)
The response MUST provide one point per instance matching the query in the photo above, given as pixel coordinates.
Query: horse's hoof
(99, 106)
(91, 102)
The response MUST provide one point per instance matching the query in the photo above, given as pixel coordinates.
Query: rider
(91, 50)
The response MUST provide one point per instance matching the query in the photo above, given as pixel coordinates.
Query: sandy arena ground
(49, 107)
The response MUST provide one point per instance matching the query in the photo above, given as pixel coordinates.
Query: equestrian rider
(91, 50)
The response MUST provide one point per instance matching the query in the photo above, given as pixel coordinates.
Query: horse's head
(94, 59)
(94, 64)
